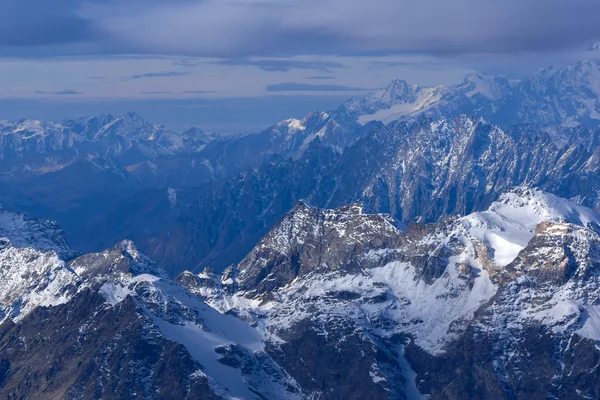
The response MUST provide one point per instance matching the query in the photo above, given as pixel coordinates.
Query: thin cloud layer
(66, 92)
(235, 29)
(282, 65)
(166, 74)
(306, 87)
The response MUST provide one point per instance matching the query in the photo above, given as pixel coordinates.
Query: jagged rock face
(111, 326)
(516, 279)
(41, 234)
(461, 166)
(423, 172)
(497, 304)
(538, 337)
(428, 162)
(309, 241)
(331, 366)
(557, 253)
(31, 278)
(96, 352)
(124, 258)
(223, 223)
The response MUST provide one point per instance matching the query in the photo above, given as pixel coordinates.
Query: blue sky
(104, 55)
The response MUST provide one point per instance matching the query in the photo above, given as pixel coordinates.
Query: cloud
(320, 77)
(157, 92)
(305, 87)
(391, 64)
(60, 92)
(26, 23)
(235, 29)
(282, 65)
(155, 75)
(184, 63)
(198, 91)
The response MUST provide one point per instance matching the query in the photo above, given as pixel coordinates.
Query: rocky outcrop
(425, 172)
(490, 305)
(92, 351)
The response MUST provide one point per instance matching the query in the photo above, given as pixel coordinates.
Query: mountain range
(193, 199)
(416, 242)
(495, 304)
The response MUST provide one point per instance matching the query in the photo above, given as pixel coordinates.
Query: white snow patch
(435, 306)
(510, 223)
(481, 85)
(591, 323)
(427, 97)
(172, 197)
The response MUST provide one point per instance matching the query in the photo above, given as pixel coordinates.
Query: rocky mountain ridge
(418, 172)
(553, 99)
(209, 203)
(417, 297)
(417, 302)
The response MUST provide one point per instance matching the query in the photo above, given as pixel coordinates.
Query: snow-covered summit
(428, 281)
(105, 135)
(123, 259)
(510, 222)
(40, 234)
(594, 47)
(491, 87)
(31, 278)
(565, 96)
(397, 100)
(327, 281)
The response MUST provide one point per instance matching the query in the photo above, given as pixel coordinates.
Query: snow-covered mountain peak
(40, 234)
(558, 96)
(130, 125)
(398, 88)
(491, 87)
(30, 278)
(510, 223)
(393, 102)
(295, 238)
(542, 206)
(594, 47)
(28, 127)
(122, 260)
(291, 126)
(564, 79)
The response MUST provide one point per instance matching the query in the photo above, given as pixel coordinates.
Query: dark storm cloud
(305, 87)
(155, 75)
(282, 65)
(236, 29)
(25, 23)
